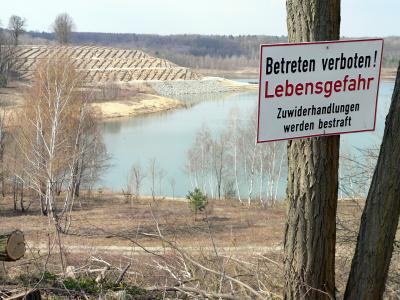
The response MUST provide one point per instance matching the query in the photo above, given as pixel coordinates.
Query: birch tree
(234, 129)
(7, 58)
(232, 162)
(56, 135)
(137, 176)
(199, 164)
(218, 159)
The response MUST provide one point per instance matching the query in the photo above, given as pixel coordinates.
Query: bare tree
(247, 150)
(218, 155)
(153, 175)
(50, 126)
(16, 25)
(93, 156)
(234, 129)
(380, 218)
(57, 138)
(50, 132)
(161, 174)
(230, 162)
(200, 166)
(7, 58)
(274, 158)
(137, 177)
(172, 183)
(63, 26)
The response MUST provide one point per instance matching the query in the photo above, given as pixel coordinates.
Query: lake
(167, 137)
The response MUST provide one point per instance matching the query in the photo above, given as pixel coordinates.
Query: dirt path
(135, 250)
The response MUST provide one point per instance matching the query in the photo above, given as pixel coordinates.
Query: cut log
(12, 246)
(33, 294)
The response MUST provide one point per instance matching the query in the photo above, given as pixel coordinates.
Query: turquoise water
(167, 137)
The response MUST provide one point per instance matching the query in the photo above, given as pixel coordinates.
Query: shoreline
(386, 73)
(161, 99)
(156, 96)
(140, 104)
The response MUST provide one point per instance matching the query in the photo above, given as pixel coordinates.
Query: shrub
(111, 91)
(197, 200)
(3, 81)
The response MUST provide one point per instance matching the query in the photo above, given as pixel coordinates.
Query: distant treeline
(224, 52)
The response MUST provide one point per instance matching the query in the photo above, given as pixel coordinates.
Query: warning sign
(321, 88)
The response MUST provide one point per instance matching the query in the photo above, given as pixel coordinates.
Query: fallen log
(33, 294)
(121, 276)
(12, 246)
(20, 294)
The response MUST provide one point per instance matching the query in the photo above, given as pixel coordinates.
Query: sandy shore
(153, 96)
(157, 96)
(135, 105)
(146, 103)
(241, 73)
(235, 86)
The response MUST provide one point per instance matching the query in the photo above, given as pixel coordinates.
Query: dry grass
(234, 241)
(229, 239)
(96, 220)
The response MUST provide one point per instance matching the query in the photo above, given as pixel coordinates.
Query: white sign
(321, 88)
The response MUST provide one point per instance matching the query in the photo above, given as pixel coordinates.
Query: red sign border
(311, 43)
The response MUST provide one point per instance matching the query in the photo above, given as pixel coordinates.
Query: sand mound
(104, 64)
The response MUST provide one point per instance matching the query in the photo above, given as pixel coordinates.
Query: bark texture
(310, 231)
(380, 217)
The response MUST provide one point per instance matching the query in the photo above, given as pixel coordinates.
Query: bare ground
(127, 100)
(110, 228)
(139, 104)
(107, 222)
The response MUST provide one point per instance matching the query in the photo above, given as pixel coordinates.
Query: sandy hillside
(104, 64)
(149, 82)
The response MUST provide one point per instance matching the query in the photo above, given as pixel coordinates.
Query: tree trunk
(310, 231)
(3, 185)
(22, 197)
(77, 177)
(15, 192)
(380, 217)
(42, 199)
(12, 246)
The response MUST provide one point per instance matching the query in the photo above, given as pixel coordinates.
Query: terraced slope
(104, 64)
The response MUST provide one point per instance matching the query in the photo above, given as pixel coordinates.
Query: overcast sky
(359, 17)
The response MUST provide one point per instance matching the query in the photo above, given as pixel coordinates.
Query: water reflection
(112, 127)
(167, 137)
